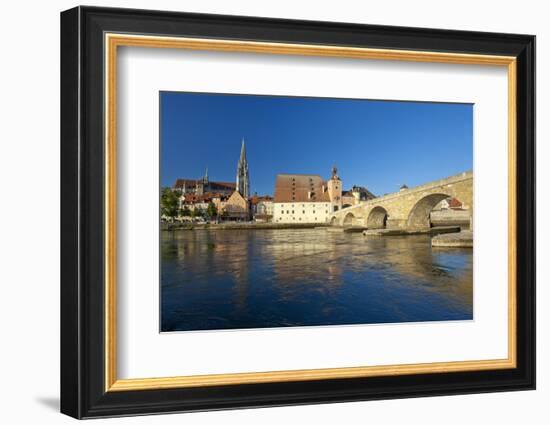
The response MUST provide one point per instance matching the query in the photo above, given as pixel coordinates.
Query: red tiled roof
(184, 182)
(206, 197)
(300, 188)
(454, 203)
(222, 185)
(213, 185)
(255, 199)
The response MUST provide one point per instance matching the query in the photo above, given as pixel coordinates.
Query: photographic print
(257, 184)
(281, 211)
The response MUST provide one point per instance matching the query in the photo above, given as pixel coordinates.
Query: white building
(265, 207)
(305, 198)
(262, 208)
(297, 212)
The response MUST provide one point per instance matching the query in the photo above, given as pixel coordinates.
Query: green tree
(185, 212)
(211, 211)
(197, 212)
(169, 203)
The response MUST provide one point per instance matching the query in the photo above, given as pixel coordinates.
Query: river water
(236, 279)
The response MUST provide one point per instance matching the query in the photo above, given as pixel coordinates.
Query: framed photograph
(261, 212)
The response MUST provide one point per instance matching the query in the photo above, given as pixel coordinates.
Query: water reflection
(229, 279)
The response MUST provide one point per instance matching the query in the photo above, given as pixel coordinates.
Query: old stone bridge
(409, 208)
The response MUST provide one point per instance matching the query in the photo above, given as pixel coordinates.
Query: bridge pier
(396, 223)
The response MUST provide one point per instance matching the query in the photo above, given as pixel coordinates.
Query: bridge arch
(377, 218)
(419, 216)
(411, 208)
(349, 219)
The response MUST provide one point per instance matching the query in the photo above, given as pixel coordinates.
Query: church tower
(243, 181)
(334, 188)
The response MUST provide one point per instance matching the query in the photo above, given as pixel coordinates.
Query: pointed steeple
(243, 152)
(206, 175)
(243, 182)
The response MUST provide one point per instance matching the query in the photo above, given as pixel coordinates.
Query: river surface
(237, 279)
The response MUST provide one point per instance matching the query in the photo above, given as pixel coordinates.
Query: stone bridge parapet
(408, 208)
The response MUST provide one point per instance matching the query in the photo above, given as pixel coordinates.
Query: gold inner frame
(113, 41)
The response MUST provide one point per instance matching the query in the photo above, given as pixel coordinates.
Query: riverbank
(238, 226)
(464, 239)
(405, 232)
(351, 229)
(450, 236)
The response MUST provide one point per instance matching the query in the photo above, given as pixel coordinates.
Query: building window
(304, 211)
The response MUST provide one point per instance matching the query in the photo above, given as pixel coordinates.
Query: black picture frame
(83, 392)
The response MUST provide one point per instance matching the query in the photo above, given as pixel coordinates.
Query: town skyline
(391, 138)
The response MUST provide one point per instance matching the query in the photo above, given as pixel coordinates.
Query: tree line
(170, 207)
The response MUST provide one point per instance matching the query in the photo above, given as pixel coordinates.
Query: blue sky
(377, 144)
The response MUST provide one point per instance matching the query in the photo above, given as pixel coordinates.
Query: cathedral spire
(243, 181)
(243, 151)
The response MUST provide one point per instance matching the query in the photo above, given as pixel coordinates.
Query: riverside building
(306, 198)
(230, 199)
